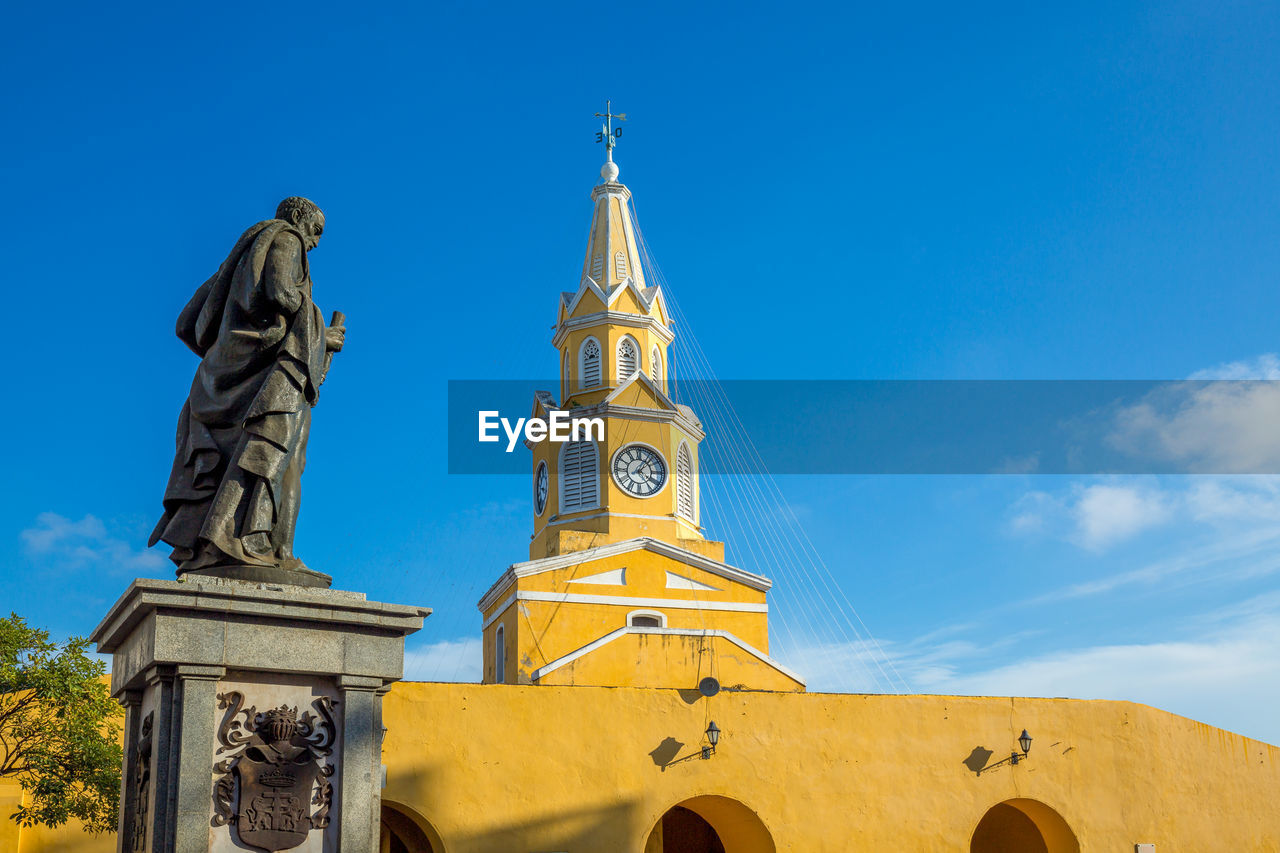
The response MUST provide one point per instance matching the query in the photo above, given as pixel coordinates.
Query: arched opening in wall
(1023, 826)
(405, 831)
(709, 824)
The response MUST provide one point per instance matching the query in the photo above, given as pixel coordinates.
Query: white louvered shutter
(628, 359)
(500, 656)
(684, 482)
(655, 365)
(579, 477)
(597, 267)
(620, 266)
(589, 372)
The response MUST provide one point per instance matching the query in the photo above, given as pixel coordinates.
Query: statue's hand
(335, 337)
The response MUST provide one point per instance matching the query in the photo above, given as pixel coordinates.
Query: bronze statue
(233, 495)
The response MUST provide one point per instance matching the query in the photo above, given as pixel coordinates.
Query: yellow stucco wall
(69, 838)
(504, 768)
(508, 769)
(10, 801)
(661, 660)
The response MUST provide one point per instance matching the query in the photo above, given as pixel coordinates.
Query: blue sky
(924, 192)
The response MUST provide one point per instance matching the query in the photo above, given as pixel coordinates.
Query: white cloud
(1228, 677)
(1265, 366)
(1251, 498)
(883, 666)
(74, 544)
(1242, 555)
(1226, 674)
(1106, 514)
(1222, 427)
(860, 666)
(1099, 515)
(448, 660)
(1094, 516)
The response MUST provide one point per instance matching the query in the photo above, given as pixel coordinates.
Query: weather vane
(608, 134)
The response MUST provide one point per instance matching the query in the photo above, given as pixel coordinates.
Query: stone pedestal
(253, 714)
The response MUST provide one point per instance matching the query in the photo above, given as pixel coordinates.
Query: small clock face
(639, 470)
(540, 488)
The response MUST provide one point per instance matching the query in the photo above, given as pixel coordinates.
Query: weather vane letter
(608, 134)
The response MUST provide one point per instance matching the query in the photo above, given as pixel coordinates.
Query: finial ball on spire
(609, 171)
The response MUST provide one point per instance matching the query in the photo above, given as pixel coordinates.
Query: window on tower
(646, 619)
(655, 364)
(589, 364)
(579, 476)
(628, 358)
(684, 481)
(620, 266)
(499, 656)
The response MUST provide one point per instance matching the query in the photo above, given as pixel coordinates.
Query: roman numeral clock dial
(639, 471)
(540, 488)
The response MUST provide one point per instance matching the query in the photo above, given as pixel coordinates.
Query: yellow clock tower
(621, 587)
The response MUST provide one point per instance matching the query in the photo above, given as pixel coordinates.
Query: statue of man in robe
(231, 504)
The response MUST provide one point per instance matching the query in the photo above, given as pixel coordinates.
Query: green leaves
(59, 729)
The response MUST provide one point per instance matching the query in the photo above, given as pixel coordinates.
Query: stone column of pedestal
(194, 705)
(362, 768)
(132, 702)
(254, 714)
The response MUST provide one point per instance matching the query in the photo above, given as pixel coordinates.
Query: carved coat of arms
(274, 767)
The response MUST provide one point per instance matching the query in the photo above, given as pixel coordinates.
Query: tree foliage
(59, 729)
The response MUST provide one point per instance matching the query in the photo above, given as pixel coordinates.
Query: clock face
(540, 488)
(639, 470)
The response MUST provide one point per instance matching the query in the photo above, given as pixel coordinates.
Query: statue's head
(303, 214)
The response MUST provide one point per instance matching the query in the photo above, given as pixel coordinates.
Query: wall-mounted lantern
(1024, 741)
(713, 737)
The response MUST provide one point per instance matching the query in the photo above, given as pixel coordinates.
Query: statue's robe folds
(261, 341)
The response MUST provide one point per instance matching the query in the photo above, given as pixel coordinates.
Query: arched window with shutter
(684, 482)
(579, 476)
(647, 619)
(655, 364)
(628, 358)
(499, 656)
(589, 363)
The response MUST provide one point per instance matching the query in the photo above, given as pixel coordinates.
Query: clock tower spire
(621, 587)
(613, 340)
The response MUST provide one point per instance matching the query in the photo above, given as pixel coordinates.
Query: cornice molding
(611, 318)
(636, 413)
(657, 546)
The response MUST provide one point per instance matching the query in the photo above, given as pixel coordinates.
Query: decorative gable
(613, 577)
(675, 581)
